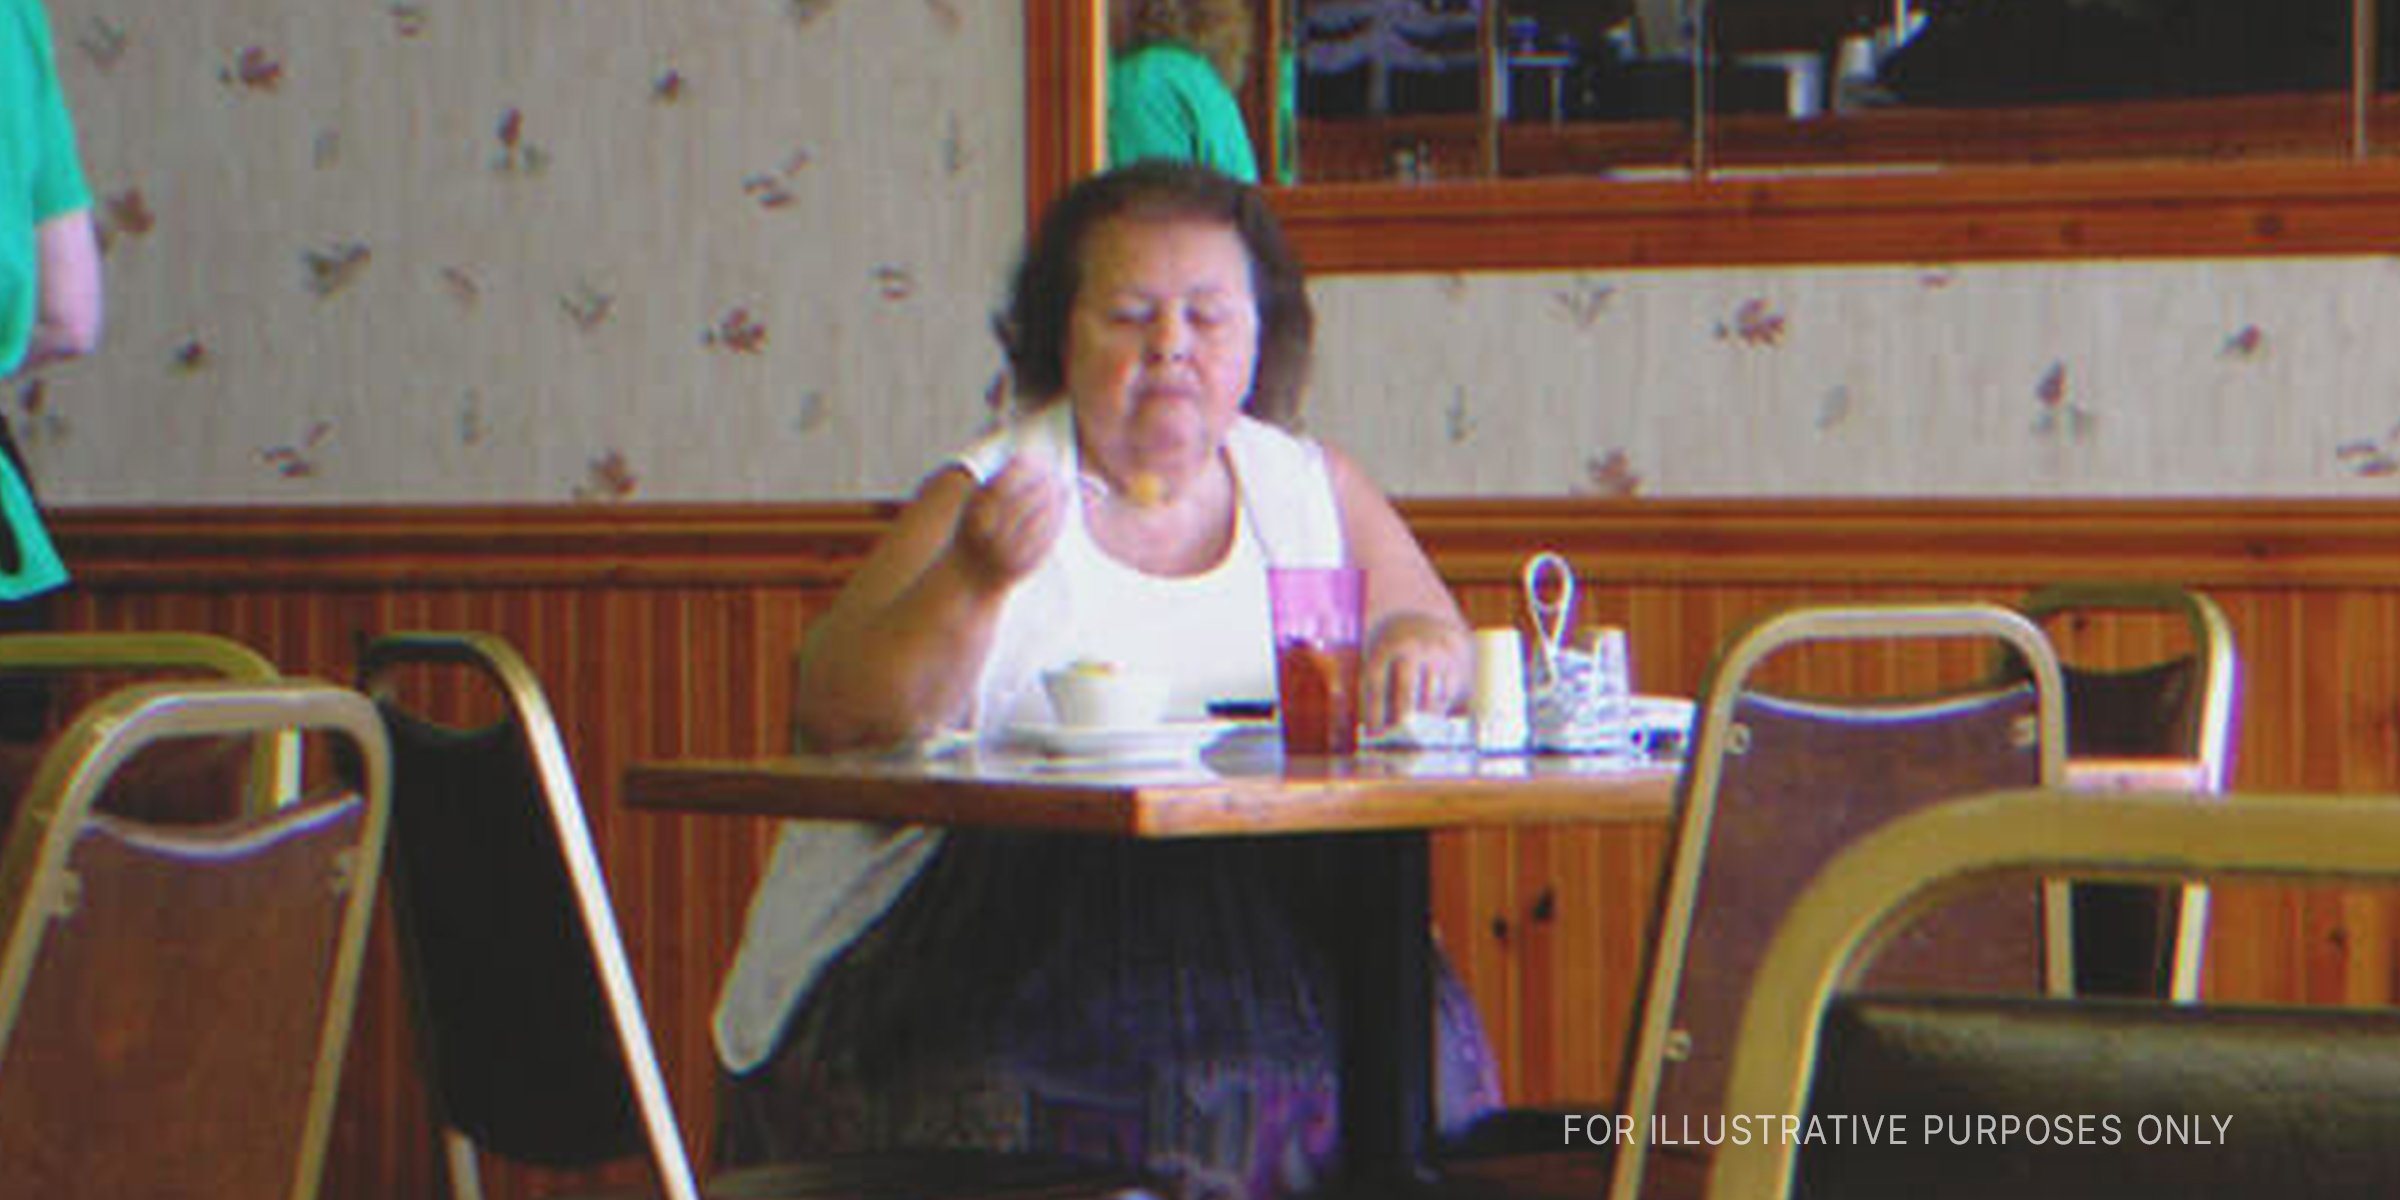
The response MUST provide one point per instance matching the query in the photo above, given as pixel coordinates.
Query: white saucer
(1166, 741)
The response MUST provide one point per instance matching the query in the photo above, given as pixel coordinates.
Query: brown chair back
(175, 1001)
(1776, 787)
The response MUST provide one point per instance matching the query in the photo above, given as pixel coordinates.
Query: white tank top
(828, 881)
(1209, 632)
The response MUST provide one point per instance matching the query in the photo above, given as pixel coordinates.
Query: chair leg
(2191, 944)
(466, 1179)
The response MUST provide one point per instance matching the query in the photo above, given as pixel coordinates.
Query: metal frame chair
(2181, 706)
(176, 1000)
(1886, 755)
(1847, 914)
(1775, 785)
(519, 976)
(548, 864)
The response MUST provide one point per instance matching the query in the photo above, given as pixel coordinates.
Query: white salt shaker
(1498, 705)
(1612, 689)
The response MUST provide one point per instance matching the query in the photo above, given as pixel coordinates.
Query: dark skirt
(1165, 1005)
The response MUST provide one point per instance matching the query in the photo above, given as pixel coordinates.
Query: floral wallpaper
(2254, 376)
(549, 250)
(612, 251)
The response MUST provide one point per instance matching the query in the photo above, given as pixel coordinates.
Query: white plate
(1166, 741)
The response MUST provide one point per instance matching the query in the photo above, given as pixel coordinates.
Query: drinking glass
(1319, 613)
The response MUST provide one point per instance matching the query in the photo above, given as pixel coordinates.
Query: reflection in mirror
(1175, 71)
(2033, 81)
(1390, 90)
(1428, 90)
(2240, 134)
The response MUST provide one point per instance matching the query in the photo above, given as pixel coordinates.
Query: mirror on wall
(1471, 134)
(1421, 90)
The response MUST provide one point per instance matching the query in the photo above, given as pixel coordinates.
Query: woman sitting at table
(1164, 1004)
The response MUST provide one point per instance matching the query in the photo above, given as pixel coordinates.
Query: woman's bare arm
(68, 318)
(899, 651)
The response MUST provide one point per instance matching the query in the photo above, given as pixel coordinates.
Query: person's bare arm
(68, 317)
(1419, 657)
(900, 650)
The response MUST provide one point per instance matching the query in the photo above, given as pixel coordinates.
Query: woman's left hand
(1414, 663)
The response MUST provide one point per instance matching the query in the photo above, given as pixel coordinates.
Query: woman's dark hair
(1041, 299)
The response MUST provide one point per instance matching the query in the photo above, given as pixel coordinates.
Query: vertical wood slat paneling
(673, 634)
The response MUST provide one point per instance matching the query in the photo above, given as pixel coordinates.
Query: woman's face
(1162, 344)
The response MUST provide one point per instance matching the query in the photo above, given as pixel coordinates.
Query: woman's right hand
(898, 652)
(1008, 524)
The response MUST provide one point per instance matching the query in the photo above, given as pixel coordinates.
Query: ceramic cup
(1106, 696)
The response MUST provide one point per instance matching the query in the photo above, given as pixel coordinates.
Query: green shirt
(40, 176)
(1165, 101)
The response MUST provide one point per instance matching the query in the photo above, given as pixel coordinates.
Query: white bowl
(1106, 696)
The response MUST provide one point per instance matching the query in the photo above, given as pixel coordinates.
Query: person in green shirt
(50, 309)
(49, 254)
(1173, 69)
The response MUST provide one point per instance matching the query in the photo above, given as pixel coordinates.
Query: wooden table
(1237, 790)
(1382, 804)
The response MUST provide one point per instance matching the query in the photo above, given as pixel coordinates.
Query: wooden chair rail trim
(2313, 543)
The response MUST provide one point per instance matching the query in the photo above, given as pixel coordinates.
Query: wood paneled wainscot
(667, 631)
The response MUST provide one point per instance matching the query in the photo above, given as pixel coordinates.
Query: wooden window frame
(2235, 208)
